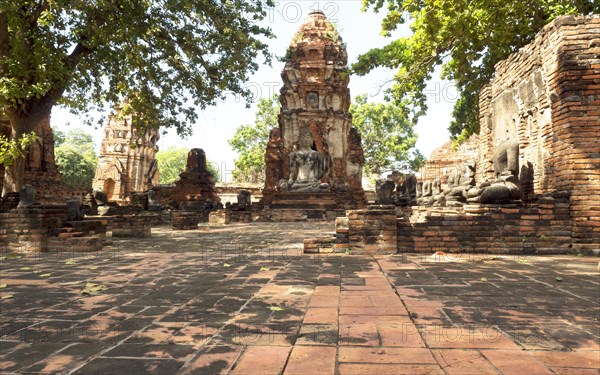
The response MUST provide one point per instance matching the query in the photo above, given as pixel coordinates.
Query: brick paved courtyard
(243, 299)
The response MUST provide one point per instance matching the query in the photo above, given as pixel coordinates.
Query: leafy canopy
(250, 141)
(75, 157)
(388, 138)
(466, 37)
(172, 162)
(168, 57)
(12, 149)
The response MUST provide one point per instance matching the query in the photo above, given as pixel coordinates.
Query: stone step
(304, 205)
(69, 234)
(331, 243)
(64, 230)
(75, 244)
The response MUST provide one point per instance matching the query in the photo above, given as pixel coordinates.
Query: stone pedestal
(131, 226)
(311, 206)
(221, 217)
(184, 220)
(367, 231)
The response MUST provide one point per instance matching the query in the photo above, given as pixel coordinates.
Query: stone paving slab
(243, 299)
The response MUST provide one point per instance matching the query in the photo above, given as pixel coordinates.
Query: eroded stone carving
(88, 202)
(406, 191)
(307, 167)
(384, 189)
(74, 210)
(100, 197)
(153, 205)
(506, 159)
(26, 196)
(244, 198)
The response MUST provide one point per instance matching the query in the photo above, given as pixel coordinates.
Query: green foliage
(172, 162)
(59, 137)
(85, 54)
(250, 141)
(388, 138)
(466, 37)
(75, 157)
(214, 169)
(10, 150)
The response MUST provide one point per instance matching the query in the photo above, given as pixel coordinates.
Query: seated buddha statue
(307, 167)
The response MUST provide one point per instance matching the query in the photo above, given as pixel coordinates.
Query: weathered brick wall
(443, 159)
(227, 217)
(541, 228)
(367, 231)
(27, 229)
(228, 193)
(547, 96)
(136, 226)
(372, 230)
(78, 236)
(185, 220)
(163, 194)
(45, 228)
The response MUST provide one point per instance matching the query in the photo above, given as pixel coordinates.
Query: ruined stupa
(314, 157)
(126, 163)
(196, 183)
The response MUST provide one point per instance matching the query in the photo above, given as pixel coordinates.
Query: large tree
(168, 57)
(466, 37)
(76, 159)
(388, 138)
(250, 141)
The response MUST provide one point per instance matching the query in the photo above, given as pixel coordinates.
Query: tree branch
(71, 61)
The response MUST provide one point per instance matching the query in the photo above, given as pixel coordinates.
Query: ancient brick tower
(315, 96)
(126, 161)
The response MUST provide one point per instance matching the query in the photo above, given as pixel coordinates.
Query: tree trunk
(14, 173)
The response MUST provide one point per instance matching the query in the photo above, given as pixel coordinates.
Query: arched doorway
(109, 188)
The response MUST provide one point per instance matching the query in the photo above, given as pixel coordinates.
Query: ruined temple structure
(196, 183)
(545, 98)
(40, 168)
(532, 183)
(314, 158)
(126, 163)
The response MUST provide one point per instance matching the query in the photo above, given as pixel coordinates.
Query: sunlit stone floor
(243, 299)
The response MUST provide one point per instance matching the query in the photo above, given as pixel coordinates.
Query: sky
(360, 31)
